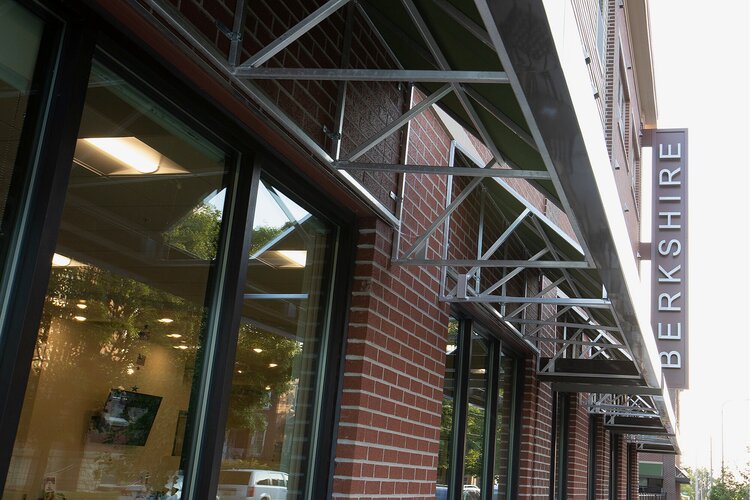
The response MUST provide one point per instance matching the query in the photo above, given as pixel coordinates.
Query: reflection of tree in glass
(474, 440)
(121, 311)
(198, 232)
(259, 385)
(446, 431)
(263, 234)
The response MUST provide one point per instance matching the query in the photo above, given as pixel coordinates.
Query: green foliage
(263, 234)
(254, 388)
(474, 440)
(729, 487)
(197, 233)
(446, 433)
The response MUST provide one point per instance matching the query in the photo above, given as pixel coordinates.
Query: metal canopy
(494, 70)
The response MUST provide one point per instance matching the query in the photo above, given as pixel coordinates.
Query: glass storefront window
(271, 407)
(475, 416)
(446, 422)
(20, 38)
(107, 400)
(467, 395)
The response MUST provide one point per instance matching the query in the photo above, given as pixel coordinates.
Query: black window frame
(467, 326)
(86, 37)
(559, 440)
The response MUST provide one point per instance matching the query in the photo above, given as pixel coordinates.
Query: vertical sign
(669, 300)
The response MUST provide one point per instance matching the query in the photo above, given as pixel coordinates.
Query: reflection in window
(279, 343)
(475, 415)
(446, 422)
(469, 369)
(121, 330)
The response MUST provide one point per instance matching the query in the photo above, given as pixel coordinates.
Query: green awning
(650, 469)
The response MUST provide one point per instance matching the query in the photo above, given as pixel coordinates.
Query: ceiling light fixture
(60, 260)
(258, 350)
(165, 320)
(174, 335)
(79, 318)
(182, 347)
(272, 365)
(81, 306)
(130, 151)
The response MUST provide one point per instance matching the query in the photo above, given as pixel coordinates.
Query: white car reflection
(246, 484)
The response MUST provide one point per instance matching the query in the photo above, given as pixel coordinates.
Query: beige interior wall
(71, 387)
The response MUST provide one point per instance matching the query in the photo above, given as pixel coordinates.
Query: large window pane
(280, 341)
(106, 406)
(20, 36)
(444, 466)
(476, 414)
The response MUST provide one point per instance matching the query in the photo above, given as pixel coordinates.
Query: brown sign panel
(669, 275)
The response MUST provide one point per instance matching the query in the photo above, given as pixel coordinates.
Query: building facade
(342, 249)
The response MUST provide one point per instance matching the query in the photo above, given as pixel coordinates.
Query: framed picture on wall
(127, 418)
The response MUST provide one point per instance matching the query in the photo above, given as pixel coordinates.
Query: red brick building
(342, 249)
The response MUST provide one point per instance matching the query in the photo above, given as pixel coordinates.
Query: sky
(701, 59)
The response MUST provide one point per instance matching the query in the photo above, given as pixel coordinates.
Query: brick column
(392, 390)
(602, 459)
(633, 460)
(536, 436)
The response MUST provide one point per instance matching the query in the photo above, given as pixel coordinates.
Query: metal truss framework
(571, 300)
(622, 405)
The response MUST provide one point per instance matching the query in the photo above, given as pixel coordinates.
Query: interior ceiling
(118, 219)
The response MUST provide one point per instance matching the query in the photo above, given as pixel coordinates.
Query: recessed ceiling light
(239, 371)
(182, 347)
(174, 335)
(81, 306)
(129, 150)
(79, 318)
(60, 260)
(165, 320)
(258, 350)
(272, 365)
(268, 387)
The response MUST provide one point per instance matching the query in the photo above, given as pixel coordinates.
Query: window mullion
(461, 408)
(493, 387)
(53, 145)
(211, 401)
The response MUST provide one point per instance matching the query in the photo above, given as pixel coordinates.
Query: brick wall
(622, 466)
(633, 459)
(623, 145)
(602, 460)
(536, 436)
(388, 433)
(395, 360)
(392, 389)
